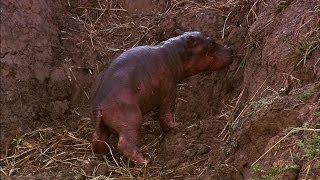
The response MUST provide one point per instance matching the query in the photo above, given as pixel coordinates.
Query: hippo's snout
(222, 57)
(227, 54)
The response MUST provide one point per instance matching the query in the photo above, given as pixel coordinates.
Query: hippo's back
(133, 65)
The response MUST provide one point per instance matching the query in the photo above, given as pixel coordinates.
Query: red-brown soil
(258, 119)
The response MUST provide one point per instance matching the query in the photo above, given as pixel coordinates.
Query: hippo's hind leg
(127, 123)
(100, 137)
(128, 145)
(166, 112)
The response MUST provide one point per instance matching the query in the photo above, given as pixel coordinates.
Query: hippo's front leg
(166, 112)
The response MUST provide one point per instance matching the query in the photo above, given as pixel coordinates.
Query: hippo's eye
(212, 45)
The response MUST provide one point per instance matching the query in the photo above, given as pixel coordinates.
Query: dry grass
(45, 150)
(109, 28)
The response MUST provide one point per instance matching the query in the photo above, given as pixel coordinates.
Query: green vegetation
(291, 166)
(229, 146)
(300, 143)
(259, 173)
(241, 65)
(271, 173)
(288, 130)
(305, 95)
(301, 51)
(261, 103)
(255, 168)
(316, 114)
(280, 6)
(17, 140)
(313, 147)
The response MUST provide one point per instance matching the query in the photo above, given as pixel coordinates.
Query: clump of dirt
(259, 118)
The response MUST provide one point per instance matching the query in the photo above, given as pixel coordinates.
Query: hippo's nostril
(212, 45)
(227, 46)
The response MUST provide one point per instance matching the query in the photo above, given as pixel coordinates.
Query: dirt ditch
(258, 119)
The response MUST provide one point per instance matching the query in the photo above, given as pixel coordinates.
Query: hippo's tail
(96, 115)
(100, 135)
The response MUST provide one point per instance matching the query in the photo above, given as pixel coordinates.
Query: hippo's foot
(128, 146)
(99, 142)
(99, 147)
(100, 136)
(167, 121)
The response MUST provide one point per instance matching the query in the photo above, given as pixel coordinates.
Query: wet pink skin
(145, 78)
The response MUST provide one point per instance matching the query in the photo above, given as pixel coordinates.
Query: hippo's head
(202, 53)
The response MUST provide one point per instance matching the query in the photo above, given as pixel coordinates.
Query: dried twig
(224, 25)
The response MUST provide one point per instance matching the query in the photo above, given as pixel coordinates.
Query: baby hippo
(144, 78)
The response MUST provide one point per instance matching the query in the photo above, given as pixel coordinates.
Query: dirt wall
(33, 83)
(277, 41)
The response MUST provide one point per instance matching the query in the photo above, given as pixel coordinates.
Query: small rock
(189, 153)
(58, 75)
(95, 168)
(173, 162)
(102, 169)
(203, 149)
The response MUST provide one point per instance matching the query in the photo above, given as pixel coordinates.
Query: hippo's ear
(178, 32)
(191, 41)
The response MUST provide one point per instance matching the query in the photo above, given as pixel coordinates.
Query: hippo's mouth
(212, 46)
(211, 51)
(210, 54)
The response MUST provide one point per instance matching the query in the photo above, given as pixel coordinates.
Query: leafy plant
(259, 173)
(241, 65)
(316, 114)
(305, 95)
(313, 147)
(300, 143)
(229, 146)
(255, 168)
(301, 51)
(287, 130)
(17, 140)
(291, 166)
(272, 172)
(261, 103)
(280, 6)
